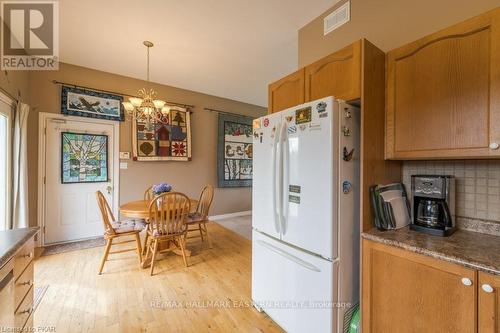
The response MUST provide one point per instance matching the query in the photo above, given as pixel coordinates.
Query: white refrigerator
(305, 215)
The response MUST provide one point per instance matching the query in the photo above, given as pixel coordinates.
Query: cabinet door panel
(407, 292)
(287, 92)
(440, 93)
(338, 75)
(489, 303)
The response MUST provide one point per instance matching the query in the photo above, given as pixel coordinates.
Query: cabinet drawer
(23, 257)
(24, 311)
(23, 284)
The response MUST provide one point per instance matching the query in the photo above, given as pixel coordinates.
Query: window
(5, 161)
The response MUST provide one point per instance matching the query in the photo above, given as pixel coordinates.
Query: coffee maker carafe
(433, 204)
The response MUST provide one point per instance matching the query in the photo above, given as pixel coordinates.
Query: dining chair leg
(105, 255)
(139, 249)
(201, 232)
(144, 249)
(155, 248)
(209, 241)
(182, 244)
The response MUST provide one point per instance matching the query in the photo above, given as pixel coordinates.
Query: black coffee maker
(433, 204)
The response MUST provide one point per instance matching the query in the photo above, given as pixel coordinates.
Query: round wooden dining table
(140, 210)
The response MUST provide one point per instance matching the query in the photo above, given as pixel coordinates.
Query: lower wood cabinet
(407, 292)
(489, 303)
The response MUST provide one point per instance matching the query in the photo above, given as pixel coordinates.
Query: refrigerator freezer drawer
(296, 289)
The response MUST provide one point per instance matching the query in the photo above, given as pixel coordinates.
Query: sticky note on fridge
(256, 123)
(294, 199)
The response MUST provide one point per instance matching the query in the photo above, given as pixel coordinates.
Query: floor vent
(337, 18)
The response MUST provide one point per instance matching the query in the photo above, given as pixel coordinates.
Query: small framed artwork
(92, 104)
(84, 158)
(234, 151)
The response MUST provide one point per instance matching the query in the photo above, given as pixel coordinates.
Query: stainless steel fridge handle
(289, 256)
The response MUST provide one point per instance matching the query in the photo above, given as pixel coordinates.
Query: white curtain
(20, 168)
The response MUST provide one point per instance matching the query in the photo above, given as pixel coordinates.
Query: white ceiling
(227, 48)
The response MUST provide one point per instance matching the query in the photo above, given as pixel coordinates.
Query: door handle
(487, 288)
(289, 256)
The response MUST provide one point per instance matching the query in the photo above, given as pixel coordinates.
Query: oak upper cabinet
(287, 92)
(489, 303)
(407, 292)
(338, 74)
(443, 93)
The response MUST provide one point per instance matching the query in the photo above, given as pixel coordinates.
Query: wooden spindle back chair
(199, 218)
(167, 222)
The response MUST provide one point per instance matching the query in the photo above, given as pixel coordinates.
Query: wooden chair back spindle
(106, 212)
(205, 201)
(148, 194)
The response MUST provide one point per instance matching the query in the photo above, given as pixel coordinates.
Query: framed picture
(234, 151)
(168, 140)
(84, 158)
(92, 104)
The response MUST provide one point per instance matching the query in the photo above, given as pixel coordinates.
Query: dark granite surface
(12, 240)
(467, 248)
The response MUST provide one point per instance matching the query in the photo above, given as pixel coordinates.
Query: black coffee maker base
(436, 232)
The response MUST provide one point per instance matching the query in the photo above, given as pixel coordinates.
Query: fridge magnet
(303, 115)
(256, 124)
(260, 137)
(323, 115)
(235, 151)
(321, 107)
(346, 187)
(302, 127)
(292, 129)
(347, 155)
(266, 122)
(294, 188)
(273, 132)
(289, 119)
(315, 127)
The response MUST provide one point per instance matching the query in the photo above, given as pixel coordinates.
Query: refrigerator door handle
(289, 256)
(275, 161)
(285, 179)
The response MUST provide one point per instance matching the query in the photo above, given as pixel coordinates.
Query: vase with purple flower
(159, 189)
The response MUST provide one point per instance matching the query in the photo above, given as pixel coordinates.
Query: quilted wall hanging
(234, 151)
(169, 140)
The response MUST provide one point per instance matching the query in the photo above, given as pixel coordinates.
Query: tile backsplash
(477, 186)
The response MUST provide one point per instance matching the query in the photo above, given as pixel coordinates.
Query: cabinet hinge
(44, 179)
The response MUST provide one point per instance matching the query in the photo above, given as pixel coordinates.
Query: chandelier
(146, 108)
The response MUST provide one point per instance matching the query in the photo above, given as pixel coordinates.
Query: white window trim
(10, 121)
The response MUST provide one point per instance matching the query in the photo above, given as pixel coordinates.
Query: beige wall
(386, 23)
(188, 177)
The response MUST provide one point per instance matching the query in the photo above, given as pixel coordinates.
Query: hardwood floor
(211, 295)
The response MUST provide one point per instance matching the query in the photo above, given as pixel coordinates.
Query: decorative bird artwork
(347, 154)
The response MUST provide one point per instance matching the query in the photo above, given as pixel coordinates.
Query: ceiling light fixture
(146, 108)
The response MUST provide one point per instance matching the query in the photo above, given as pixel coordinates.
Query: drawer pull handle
(27, 283)
(27, 255)
(466, 282)
(494, 146)
(487, 288)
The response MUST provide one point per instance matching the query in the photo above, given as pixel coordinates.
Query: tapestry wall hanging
(92, 104)
(84, 158)
(168, 140)
(234, 151)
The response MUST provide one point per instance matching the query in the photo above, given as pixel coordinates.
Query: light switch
(123, 165)
(124, 155)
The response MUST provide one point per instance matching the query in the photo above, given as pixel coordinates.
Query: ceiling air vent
(337, 18)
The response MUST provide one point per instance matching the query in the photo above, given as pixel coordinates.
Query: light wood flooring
(211, 295)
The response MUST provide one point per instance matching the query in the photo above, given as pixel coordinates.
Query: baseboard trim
(230, 215)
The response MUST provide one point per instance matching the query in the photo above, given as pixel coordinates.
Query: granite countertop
(471, 249)
(12, 240)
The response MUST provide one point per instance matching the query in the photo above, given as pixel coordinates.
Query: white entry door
(71, 211)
